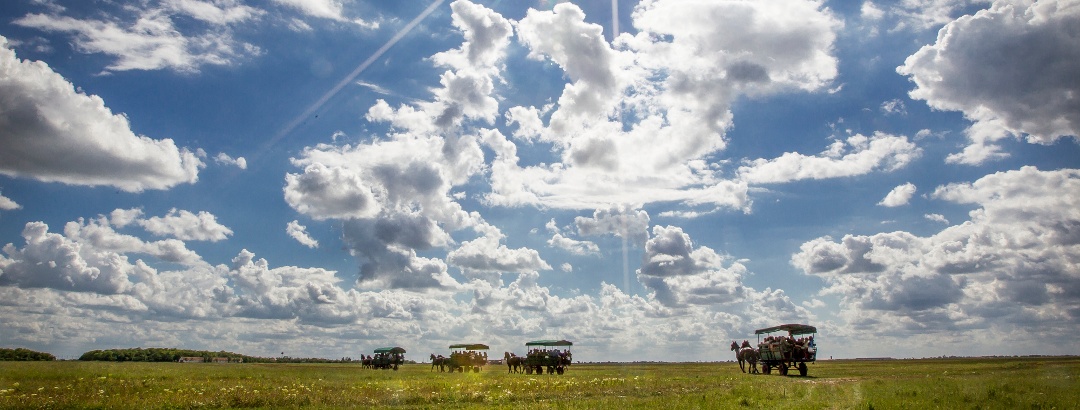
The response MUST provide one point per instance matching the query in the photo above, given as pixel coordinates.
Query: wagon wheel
(560, 369)
(395, 367)
(766, 368)
(476, 369)
(460, 369)
(539, 369)
(528, 370)
(802, 369)
(783, 369)
(551, 369)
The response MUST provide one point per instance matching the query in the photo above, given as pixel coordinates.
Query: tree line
(21, 354)
(158, 354)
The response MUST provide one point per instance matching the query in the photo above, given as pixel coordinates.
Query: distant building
(221, 360)
(191, 360)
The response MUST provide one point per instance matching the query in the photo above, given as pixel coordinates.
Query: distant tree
(158, 354)
(22, 354)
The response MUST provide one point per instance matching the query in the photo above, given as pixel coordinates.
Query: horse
(439, 361)
(514, 363)
(365, 362)
(745, 354)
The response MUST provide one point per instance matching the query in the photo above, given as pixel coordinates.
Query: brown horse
(514, 363)
(745, 354)
(439, 361)
(365, 362)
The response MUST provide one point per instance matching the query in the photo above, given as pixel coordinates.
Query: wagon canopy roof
(550, 343)
(793, 328)
(394, 349)
(469, 346)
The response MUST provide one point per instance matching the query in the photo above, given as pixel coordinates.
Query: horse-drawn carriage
(784, 352)
(388, 358)
(546, 354)
(466, 356)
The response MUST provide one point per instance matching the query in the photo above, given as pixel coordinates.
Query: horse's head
(734, 345)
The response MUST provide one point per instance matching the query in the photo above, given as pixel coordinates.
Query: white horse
(745, 354)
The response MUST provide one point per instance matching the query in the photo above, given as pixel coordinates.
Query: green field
(1013, 383)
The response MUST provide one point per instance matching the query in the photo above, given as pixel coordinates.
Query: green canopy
(394, 349)
(550, 343)
(791, 328)
(469, 346)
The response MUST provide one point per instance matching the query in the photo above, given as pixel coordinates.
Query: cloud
(936, 218)
(870, 11)
(894, 107)
(91, 262)
(57, 283)
(327, 9)
(90, 256)
(679, 274)
(1008, 268)
(992, 66)
(223, 158)
(899, 196)
(580, 49)
(373, 87)
(187, 226)
(124, 217)
(388, 247)
(145, 38)
(218, 13)
(467, 87)
(571, 245)
(323, 192)
(393, 201)
(49, 260)
(620, 221)
(639, 115)
(309, 294)
(858, 155)
(53, 133)
(7, 204)
(486, 258)
(928, 14)
(394, 193)
(299, 232)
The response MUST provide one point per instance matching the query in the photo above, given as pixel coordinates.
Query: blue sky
(649, 179)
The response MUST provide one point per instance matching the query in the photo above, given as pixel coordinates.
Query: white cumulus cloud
(993, 67)
(299, 232)
(51, 132)
(145, 37)
(7, 204)
(185, 225)
(899, 196)
(223, 158)
(1010, 269)
(858, 155)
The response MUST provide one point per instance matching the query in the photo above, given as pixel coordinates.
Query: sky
(650, 180)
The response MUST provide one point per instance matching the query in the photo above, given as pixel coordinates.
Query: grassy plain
(1007, 383)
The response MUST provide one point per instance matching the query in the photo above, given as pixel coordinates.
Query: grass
(1008, 383)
